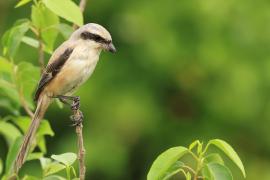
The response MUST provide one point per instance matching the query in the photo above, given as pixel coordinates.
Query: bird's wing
(57, 61)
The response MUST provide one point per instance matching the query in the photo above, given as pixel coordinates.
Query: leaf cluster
(208, 166)
(18, 81)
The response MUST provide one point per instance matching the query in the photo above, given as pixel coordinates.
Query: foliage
(185, 70)
(18, 80)
(208, 165)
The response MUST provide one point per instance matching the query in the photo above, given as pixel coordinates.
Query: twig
(189, 169)
(79, 127)
(26, 107)
(21, 95)
(81, 152)
(82, 7)
(77, 118)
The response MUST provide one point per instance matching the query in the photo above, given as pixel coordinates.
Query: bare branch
(83, 5)
(81, 153)
(79, 127)
(82, 8)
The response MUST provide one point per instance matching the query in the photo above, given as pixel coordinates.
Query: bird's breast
(74, 73)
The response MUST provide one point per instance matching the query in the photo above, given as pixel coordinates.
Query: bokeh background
(184, 70)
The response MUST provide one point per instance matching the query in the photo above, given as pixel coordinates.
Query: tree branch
(81, 152)
(83, 5)
(79, 127)
(82, 8)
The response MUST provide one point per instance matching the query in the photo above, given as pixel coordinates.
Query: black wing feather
(51, 71)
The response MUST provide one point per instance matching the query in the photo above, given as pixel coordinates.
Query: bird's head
(96, 36)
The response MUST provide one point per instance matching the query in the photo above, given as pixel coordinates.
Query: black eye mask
(94, 37)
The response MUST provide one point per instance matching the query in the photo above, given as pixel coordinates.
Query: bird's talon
(75, 105)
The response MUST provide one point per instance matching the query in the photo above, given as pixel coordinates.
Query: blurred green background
(184, 70)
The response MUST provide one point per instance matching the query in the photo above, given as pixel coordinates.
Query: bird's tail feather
(42, 106)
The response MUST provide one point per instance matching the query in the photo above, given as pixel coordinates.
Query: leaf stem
(194, 155)
(68, 172)
(189, 169)
(198, 168)
(24, 104)
(20, 92)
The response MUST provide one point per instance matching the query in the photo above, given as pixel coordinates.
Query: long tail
(42, 106)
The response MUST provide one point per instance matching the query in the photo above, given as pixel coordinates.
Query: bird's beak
(111, 48)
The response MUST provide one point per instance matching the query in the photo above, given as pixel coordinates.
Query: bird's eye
(94, 37)
(97, 38)
(84, 35)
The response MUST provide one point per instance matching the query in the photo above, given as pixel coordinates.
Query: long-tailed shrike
(69, 67)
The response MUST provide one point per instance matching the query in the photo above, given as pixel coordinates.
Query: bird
(70, 65)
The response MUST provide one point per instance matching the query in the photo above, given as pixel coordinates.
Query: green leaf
(44, 129)
(193, 144)
(73, 171)
(65, 29)
(219, 172)
(198, 144)
(164, 162)
(229, 151)
(9, 131)
(45, 20)
(66, 9)
(22, 2)
(12, 38)
(23, 122)
(34, 43)
(67, 158)
(188, 176)
(9, 94)
(34, 156)
(30, 41)
(5, 65)
(168, 176)
(53, 168)
(199, 148)
(206, 173)
(1, 166)
(27, 177)
(9, 97)
(27, 77)
(12, 153)
(176, 168)
(41, 143)
(213, 158)
(50, 167)
(45, 162)
(5, 103)
(54, 177)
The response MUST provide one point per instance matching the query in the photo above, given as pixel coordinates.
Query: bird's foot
(75, 104)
